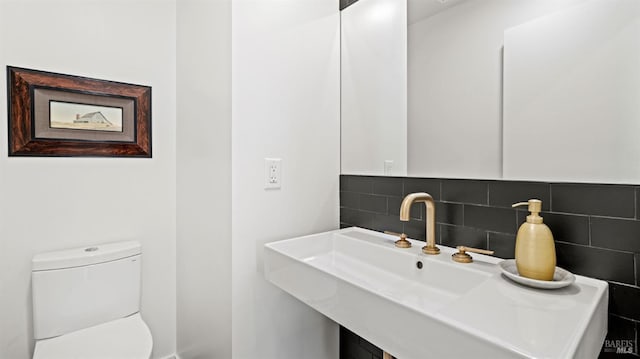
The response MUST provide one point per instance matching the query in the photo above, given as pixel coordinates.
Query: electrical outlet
(273, 173)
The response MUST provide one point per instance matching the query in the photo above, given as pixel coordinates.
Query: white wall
(455, 86)
(374, 87)
(285, 104)
(204, 179)
(54, 203)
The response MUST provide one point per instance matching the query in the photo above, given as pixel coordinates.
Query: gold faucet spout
(405, 209)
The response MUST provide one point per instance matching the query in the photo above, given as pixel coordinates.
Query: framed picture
(53, 114)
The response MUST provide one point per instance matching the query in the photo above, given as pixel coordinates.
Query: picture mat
(42, 97)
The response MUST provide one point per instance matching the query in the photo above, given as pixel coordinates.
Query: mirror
(496, 89)
(374, 88)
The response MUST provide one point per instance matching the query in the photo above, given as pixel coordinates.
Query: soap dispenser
(535, 250)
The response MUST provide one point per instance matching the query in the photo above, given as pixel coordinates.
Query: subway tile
(623, 301)
(347, 336)
(490, 218)
(388, 186)
(637, 269)
(416, 229)
(374, 350)
(453, 236)
(361, 353)
(613, 233)
(620, 330)
(637, 209)
(346, 3)
(351, 346)
(349, 199)
(567, 228)
(353, 350)
(360, 184)
(428, 185)
(600, 200)
(348, 343)
(504, 245)
(506, 193)
(383, 222)
(465, 191)
(393, 205)
(596, 262)
(356, 218)
(373, 203)
(564, 227)
(347, 215)
(417, 211)
(449, 213)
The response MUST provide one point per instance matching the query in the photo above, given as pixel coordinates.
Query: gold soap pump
(535, 250)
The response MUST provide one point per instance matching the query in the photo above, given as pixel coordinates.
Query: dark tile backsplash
(601, 200)
(431, 186)
(373, 203)
(388, 187)
(565, 227)
(465, 191)
(504, 194)
(354, 347)
(345, 4)
(621, 234)
(450, 213)
(638, 269)
(490, 218)
(504, 245)
(621, 330)
(599, 263)
(452, 236)
(623, 301)
(596, 229)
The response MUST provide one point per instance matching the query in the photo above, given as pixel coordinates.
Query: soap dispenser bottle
(535, 250)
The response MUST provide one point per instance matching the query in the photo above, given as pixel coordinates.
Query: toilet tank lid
(83, 256)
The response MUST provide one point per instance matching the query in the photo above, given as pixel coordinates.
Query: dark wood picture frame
(30, 94)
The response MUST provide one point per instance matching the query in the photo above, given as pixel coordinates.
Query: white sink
(359, 279)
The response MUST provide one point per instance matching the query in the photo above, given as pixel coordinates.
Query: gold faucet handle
(462, 257)
(402, 242)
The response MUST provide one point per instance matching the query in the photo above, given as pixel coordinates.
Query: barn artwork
(77, 116)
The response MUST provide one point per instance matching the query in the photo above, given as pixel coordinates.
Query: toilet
(86, 303)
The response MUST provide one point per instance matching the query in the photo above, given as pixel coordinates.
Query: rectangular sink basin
(414, 305)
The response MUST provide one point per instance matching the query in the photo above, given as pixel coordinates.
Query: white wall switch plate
(272, 173)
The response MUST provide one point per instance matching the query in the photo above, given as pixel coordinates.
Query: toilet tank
(79, 288)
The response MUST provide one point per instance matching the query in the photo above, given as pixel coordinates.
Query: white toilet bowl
(125, 338)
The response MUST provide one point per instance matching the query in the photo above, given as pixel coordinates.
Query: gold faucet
(405, 208)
